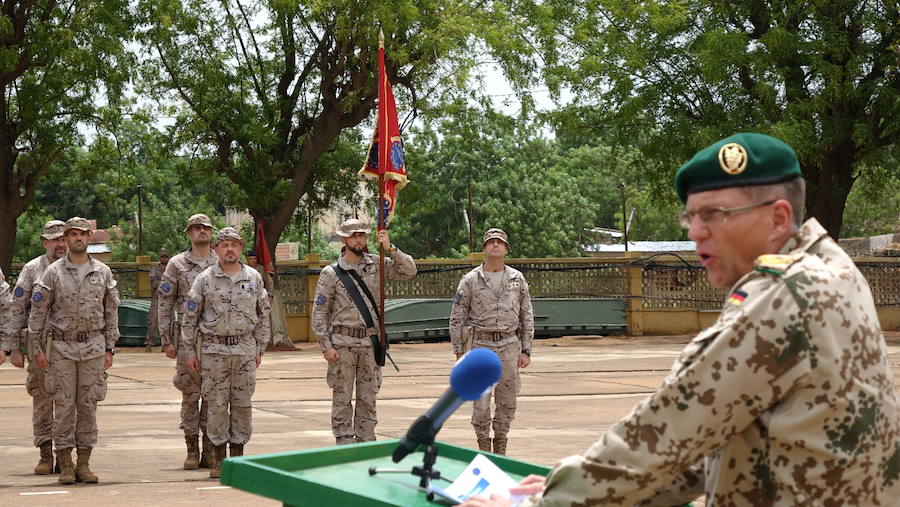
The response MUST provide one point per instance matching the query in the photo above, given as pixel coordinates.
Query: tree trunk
(828, 185)
(8, 219)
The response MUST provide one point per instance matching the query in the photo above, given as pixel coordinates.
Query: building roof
(644, 246)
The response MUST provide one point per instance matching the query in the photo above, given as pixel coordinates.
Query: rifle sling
(353, 290)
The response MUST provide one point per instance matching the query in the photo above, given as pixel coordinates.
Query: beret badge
(733, 158)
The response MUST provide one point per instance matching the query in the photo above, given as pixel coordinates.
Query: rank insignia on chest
(737, 297)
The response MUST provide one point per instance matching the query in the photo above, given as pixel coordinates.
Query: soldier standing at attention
(227, 312)
(492, 310)
(42, 402)
(789, 398)
(344, 336)
(75, 305)
(156, 274)
(173, 293)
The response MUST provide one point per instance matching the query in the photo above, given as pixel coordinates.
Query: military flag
(385, 157)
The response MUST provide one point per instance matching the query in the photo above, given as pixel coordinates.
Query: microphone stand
(426, 473)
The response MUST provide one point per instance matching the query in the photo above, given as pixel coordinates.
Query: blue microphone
(475, 373)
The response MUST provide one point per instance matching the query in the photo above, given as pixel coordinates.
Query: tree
(545, 193)
(673, 77)
(263, 90)
(54, 57)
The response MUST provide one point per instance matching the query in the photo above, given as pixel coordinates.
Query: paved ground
(575, 389)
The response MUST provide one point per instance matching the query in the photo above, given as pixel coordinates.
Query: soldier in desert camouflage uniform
(788, 399)
(173, 293)
(344, 337)
(7, 340)
(42, 403)
(75, 306)
(227, 312)
(492, 310)
(156, 275)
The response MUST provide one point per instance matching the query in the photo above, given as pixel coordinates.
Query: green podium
(340, 475)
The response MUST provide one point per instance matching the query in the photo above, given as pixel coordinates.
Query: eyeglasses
(714, 216)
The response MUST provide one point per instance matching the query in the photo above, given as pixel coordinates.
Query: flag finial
(380, 38)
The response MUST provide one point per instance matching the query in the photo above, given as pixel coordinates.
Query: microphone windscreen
(475, 372)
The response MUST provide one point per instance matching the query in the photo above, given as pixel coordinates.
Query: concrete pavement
(575, 389)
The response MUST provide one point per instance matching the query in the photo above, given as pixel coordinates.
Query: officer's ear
(782, 219)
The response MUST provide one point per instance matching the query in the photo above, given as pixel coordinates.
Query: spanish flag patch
(737, 297)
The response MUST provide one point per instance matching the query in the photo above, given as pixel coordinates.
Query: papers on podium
(481, 478)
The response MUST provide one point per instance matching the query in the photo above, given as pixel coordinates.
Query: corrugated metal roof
(645, 246)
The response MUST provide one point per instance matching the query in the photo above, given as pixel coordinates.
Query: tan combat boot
(208, 457)
(192, 462)
(66, 467)
(236, 450)
(484, 443)
(45, 465)
(82, 469)
(500, 445)
(216, 471)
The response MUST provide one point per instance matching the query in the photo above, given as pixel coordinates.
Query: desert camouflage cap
(229, 233)
(493, 233)
(198, 219)
(352, 226)
(54, 229)
(163, 252)
(79, 223)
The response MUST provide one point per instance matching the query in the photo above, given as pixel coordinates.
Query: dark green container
(133, 318)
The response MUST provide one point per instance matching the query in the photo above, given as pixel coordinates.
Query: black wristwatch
(111, 352)
(527, 352)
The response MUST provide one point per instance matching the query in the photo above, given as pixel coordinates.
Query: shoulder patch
(37, 297)
(737, 297)
(19, 292)
(191, 305)
(165, 287)
(775, 264)
(456, 298)
(320, 299)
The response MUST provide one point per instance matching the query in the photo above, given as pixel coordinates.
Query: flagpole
(383, 139)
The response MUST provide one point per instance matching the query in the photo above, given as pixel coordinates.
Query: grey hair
(793, 191)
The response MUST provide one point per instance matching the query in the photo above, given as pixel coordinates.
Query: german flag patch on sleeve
(737, 297)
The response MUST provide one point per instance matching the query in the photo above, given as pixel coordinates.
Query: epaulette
(775, 264)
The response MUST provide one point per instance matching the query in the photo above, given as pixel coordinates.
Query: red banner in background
(385, 156)
(263, 257)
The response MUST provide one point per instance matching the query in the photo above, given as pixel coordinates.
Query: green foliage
(28, 243)
(873, 206)
(546, 194)
(673, 77)
(60, 64)
(266, 94)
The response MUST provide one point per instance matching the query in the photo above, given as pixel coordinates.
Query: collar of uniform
(809, 234)
(243, 276)
(189, 256)
(366, 259)
(68, 264)
(506, 272)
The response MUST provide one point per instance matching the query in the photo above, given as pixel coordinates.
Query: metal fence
(660, 280)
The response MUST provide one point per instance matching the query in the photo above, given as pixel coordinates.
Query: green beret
(740, 160)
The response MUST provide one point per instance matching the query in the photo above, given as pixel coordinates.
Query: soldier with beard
(344, 337)
(75, 305)
(173, 293)
(227, 314)
(42, 403)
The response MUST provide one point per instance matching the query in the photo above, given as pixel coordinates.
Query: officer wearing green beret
(788, 398)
